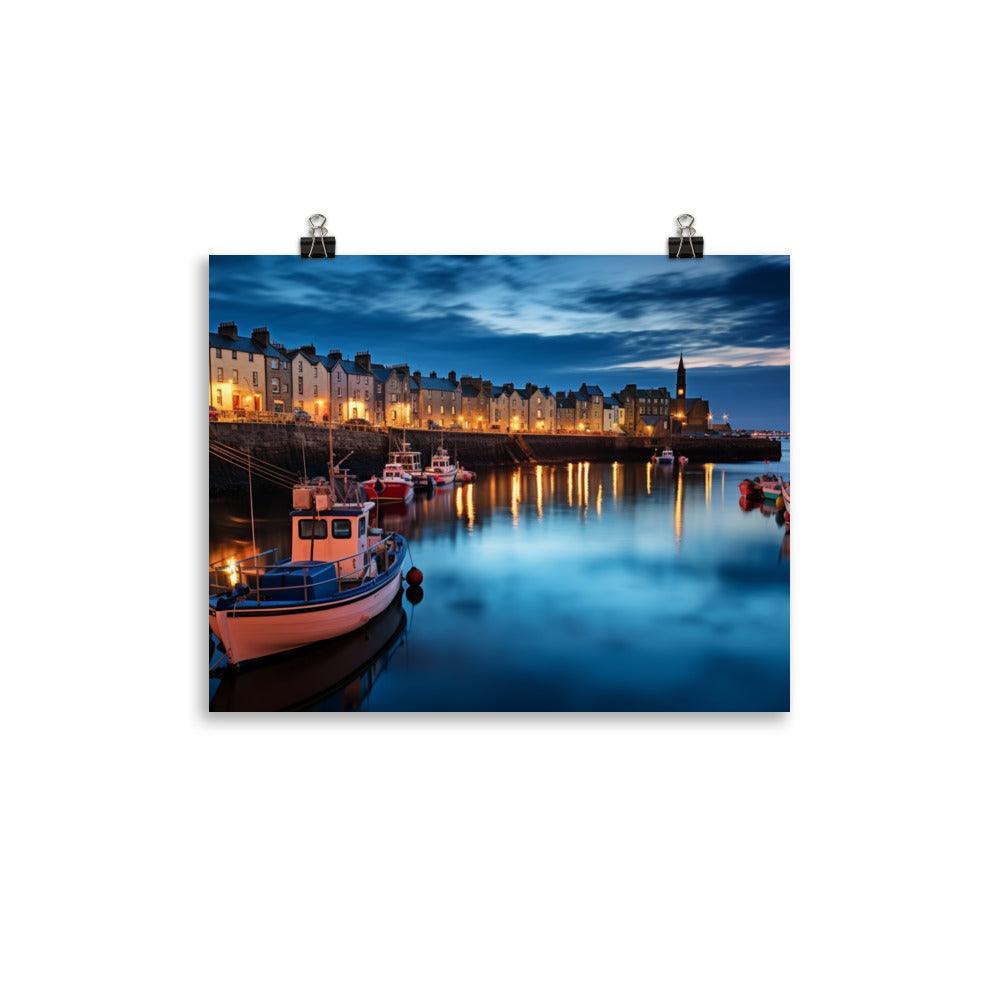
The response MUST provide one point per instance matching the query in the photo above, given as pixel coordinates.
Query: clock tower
(681, 379)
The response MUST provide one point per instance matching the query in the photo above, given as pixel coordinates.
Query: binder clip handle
(327, 245)
(686, 233)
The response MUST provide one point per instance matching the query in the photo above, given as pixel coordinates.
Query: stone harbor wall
(290, 445)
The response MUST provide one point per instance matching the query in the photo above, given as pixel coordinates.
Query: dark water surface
(581, 586)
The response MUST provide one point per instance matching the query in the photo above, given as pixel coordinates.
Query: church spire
(681, 379)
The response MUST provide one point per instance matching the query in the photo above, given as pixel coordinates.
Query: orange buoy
(414, 577)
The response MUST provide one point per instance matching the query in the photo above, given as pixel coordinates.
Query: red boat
(395, 485)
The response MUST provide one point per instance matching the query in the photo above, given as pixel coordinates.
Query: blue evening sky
(555, 321)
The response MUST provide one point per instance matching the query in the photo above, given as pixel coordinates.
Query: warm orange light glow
(459, 503)
(569, 483)
(679, 508)
(234, 575)
(470, 506)
(538, 490)
(709, 471)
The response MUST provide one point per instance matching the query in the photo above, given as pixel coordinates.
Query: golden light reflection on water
(459, 505)
(470, 506)
(614, 479)
(600, 494)
(585, 483)
(569, 484)
(709, 470)
(679, 508)
(515, 494)
(649, 478)
(538, 490)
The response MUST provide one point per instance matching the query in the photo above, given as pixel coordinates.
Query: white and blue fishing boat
(342, 573)
(665, 457)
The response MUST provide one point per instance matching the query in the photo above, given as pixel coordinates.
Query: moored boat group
(771, 493)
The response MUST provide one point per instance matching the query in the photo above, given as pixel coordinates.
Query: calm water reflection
(580, 586)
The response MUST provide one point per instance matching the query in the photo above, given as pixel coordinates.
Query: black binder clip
(685, 243)
(317, 243)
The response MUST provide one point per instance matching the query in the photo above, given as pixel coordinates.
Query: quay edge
(283, 445)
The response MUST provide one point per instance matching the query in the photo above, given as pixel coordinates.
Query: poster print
(499, 483)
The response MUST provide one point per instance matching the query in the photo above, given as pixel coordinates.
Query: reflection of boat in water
(337, 674)
(341, 574)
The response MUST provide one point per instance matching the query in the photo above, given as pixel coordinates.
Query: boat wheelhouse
(665, 457)
(342, 573)
(442, 469)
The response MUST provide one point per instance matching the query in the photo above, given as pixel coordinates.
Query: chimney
(227, 330)
(451, 377)
(416, 377)
(401, 369)
(433, 374)
(260, 336)
(335, 355)
(561, 394)
(364, 361)
(508, 386)
(307, 349)
(530, 387)
(487, 388)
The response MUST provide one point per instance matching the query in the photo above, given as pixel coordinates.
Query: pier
(289, 445)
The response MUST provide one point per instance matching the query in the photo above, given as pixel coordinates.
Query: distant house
(400, 392)
(543, 409)
(590, 408)
(565, 411)
(310, 379)
(477, 399)
(519, 408)
(237, 370)
(500, 396)
(438, 399)
(636, 403)
(612, 414)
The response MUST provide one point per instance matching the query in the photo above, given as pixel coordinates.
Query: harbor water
(577, 586)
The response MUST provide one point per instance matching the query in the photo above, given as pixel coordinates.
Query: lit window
(218, 374)
(254, 378)
(236, 375)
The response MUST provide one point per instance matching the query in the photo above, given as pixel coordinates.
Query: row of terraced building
(255, 375)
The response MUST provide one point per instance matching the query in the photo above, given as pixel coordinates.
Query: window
(393, 397)
(218, 375)
(442, 407)
(428, 407)
(254, 378)
(314, 527)
(218, 352)
(361, 528)
(284, 387)
(341, 527)
(300, 385)
(274, 385)
(338, 376)
(236, 375)
(234, 355)
(315, 390)
(218, 397)
(339, 391)
(366, 393)
(300, 364)
(274, 364)
(251, 355)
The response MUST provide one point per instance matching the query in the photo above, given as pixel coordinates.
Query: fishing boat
(786, 496)
(441, 468)
(395, 485)
(342, 573)
(665, 457)
(682, 460)
(409, 461)
(464, 475)
(770, 487)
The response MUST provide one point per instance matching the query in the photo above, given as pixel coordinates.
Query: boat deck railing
(350, 572)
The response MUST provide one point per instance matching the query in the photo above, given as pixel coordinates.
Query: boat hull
(251, 630)
(392, 491)
(443, 478)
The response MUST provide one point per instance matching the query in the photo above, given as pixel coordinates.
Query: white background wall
(848, 849)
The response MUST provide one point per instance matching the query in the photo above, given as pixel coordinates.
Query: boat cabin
(408, 461)
(325, 531)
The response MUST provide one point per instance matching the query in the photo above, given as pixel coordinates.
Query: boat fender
(414, 594)
(414, 577)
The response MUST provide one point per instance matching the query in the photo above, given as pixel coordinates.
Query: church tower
(681, 380)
